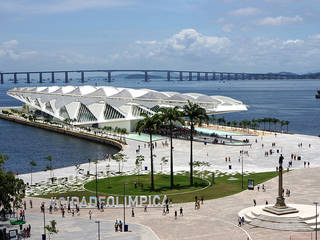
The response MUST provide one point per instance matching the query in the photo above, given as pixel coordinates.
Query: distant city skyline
(218, 35)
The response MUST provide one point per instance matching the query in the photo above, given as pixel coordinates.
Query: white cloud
(187, 41)
(227, 28)
(293, 42)
(57, 6)
(249, 11)
(8, 49)
(280, 20)
(10, 44)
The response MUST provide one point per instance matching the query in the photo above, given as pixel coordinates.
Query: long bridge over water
(171, 74)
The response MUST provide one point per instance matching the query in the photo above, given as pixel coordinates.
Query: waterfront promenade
(254, 161)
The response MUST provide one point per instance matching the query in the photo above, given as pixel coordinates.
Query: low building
(111, 106)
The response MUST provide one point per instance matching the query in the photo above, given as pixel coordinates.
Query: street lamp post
(316, 203)
(44, 222)
(98, 222)
(124, 204)
(96, 162)
(242, 168)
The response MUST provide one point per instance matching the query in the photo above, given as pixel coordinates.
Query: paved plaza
(215, 154)
(216, 219)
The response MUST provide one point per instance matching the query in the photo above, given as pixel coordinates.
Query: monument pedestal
(280, 211)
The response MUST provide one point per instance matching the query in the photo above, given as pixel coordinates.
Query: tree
(12, 189)
(196, 115)
(32, 165)
(150, 124)
(170, 116)
(77, 166)
(52, 228)
(287, 124)
(49, 158)
(163, 161)
(119, 158)
(139, 160)
(234, 123)
(202, 165)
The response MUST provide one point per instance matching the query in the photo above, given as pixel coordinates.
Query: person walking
(120, 225)
(181, 211)
(175, 214)
(30, 203)
(90, 214)
(254, 202)
(132, 212)
(116, 225)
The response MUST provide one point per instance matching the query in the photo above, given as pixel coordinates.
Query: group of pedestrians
(118, 226)
(240, 221)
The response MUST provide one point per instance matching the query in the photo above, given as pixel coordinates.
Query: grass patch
(181, 193)
(114, 185)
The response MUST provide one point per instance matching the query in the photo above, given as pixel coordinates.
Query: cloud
(280, 21)
(293, 42)
(57, 6)
(249, 11)
(227, 28)
(10, 44)
(9, 49)
(187, 41)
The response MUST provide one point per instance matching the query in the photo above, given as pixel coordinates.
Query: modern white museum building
(111, 106)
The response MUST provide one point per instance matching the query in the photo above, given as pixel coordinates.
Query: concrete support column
(206, 76)
(168, 76)
(1, 78)
(15, 80)
(109, 76)
(180, 76)
(66, 77)
(198, 76)
(146, 76)
(40, 77)
(28, 77)
(52, 77)
(82, 77)
(190, 76)
(221, 76)
(213, 76)
(228, 76)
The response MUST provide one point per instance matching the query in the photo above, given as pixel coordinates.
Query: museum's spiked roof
(149, 98)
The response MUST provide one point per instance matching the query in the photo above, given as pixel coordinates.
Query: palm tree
(170, 116)
(32, 164)
(196, 115)
(282, 123)
(275, 121)
(150, 125)
(212, 119)
(287, 124)
(234, 123)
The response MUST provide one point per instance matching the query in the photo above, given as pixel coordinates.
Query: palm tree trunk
(171, 157)
(191, 155)
(151, 159)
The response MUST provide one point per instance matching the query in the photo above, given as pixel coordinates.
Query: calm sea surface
(292, 100)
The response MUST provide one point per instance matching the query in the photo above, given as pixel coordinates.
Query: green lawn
(115, 185)
(181, 193)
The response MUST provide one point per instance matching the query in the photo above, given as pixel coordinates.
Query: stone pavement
(215, 154)
(217, 218)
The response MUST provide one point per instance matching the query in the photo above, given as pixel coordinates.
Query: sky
(200, 35)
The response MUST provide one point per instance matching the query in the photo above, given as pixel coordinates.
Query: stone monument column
(280, 199)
